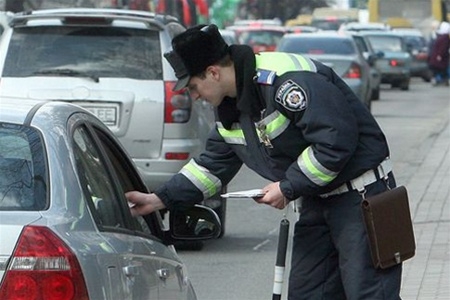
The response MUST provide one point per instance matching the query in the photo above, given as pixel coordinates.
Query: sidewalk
(427, 275)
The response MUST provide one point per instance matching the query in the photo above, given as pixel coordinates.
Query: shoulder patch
(291, 96)
(266, 77)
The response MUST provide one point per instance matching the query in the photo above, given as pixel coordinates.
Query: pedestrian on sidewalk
(438, 59)
(295, 122)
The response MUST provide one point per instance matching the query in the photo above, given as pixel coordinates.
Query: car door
(141, 267)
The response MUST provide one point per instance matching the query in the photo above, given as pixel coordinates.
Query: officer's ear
(213, 71)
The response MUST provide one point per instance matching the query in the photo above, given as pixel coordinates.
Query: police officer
(295, 122)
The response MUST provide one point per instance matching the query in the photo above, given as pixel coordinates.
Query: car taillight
(42, 267)
(353, 72)
(178, 105)
(396, 63)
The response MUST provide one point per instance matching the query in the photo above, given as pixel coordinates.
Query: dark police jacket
(294, 121)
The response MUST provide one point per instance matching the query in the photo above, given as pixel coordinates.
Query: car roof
(258, 22)
(409, 32)
(380, 33)
(105, 14)
(319, 34)
(17, 110)
(369, 26)
(257, 28)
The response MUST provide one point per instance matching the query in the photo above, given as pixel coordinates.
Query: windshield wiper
(67, 72)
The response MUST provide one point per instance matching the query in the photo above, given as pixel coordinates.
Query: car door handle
(163, 273)
(131, 270)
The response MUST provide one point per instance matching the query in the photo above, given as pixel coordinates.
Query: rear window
(386, 43)
(323, 45)
(23, 177)
(96, 51)
(416, 42)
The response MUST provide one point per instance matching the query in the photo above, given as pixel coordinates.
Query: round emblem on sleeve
(291, 96)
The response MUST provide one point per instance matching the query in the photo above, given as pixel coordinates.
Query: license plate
(107, 114)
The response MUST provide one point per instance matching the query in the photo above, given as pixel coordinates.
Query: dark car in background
(417, 45)
(371, 57)
(66, 229)
(337, 51)
(395, 61)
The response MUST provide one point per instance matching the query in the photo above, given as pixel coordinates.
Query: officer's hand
(273, 197)
(143, 203)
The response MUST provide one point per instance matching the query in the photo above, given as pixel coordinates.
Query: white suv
(110, 61)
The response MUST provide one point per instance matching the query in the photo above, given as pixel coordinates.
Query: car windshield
(22, 169)
(386, 43)
(325, 45)
(80, 51)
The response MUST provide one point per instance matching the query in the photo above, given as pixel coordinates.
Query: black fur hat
(194, 50)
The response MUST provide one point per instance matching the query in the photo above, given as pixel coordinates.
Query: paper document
(245, 194)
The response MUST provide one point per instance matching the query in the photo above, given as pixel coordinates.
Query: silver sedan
(66, 229)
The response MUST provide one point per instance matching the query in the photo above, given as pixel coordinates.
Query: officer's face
(207, 87)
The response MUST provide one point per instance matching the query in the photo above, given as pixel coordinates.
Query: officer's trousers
(331, 255)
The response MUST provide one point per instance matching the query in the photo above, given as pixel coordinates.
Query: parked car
(111, 62)
(417, 46)
(66, 229)
(336, 51)
(395, 63)
(371, 57)
(260, 37)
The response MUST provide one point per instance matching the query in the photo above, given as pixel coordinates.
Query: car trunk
(340, 64)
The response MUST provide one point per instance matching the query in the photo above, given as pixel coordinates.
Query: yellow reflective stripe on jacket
(284, 62)
(235, 135)
(275, 123)
(312, 168)
(202, 179)
(271, 126)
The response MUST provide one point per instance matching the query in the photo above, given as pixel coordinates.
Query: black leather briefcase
(389, 227)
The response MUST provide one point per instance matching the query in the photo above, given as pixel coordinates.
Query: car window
(22, 169)
(416, 42)
(362, 46)
(319, 46)
(386, 43)
(98, 51)
(128, 180)
(95, 180)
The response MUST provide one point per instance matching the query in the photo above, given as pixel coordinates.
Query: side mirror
(197, 223)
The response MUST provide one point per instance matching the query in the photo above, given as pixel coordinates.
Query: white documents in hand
(256, 193)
